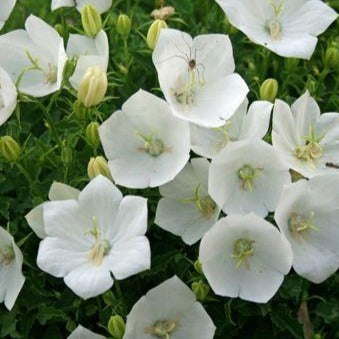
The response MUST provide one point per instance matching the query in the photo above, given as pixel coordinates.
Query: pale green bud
(91, 20)
(269, 90)
(116, 326)
(200, 290)
(124, 25)
(154, 32)
(92, 134)
(331, 58)
(9, 149)
(66, 155)
(93, 87)
(98, 166)
(198, 266)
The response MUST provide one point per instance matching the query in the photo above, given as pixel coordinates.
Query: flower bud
(69, 68)
(93, 87)
(269, 90)
(66, 155)
(9, 149)
(116, 326)
(91, 20)
(154, 32)
(98, 166)
(198, 267)
(124, 25)
(200, 290)
(92, 134)
(331, 58)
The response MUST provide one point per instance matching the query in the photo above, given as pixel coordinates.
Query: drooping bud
(200, 290)
(116, 326)
(9, 148)
(124, 25)
(269, 90)
(331, 58)
(198, 266)
(92, 134)
(98, 166)
(154, 32)
(91, 20)
(93, 87)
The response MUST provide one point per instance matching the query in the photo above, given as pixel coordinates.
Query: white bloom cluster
(95, 236)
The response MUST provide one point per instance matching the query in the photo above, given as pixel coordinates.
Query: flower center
(274, 26)
(226, 137)
(298, 224)
(243, 249)
(312, 150)
(153, 146)
(101, 246)
(7, 255)
(205, 204)
(247, 175)
(163, 329)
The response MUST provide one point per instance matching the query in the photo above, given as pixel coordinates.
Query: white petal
(6, 7)
(83, 333)
(35, 221)
(8, 96)
(101, 5)
(61, 3)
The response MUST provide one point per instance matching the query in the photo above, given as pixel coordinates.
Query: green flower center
(101, 246)
(247, 174)
(299, 225)
(243, 249)
(7, 255)
(163, 329)
(153, 145)
(312, 150)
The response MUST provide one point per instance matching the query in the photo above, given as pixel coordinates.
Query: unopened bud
(91, 20)
(200, 290)
(269, 90)
(9, 149)
(331, 58)
(116, 326)
(154, 32)
(66, 155)
(92, 134)
(124, 25)
(198, 266)
(93, 87)
(98, 166)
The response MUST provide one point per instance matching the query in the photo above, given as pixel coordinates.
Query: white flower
(308, 141)
(145, 144)
(208, 142)
(169, 310)
(248, 176)
(287, 27)
(83, 333)
(6, 8)
(98, 234)
(34, 58)
(187, 209)
(8, 96)
(101, 5)
(196, 76)
(90, 52)
(308, 215)
(246, 257)
(58, 191)
(11, 278)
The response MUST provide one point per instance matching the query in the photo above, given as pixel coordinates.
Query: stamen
(205, 204)
(243, 249)
(7, 255)
(153, 146)
(299, 225)
(247, 174)
(163, 329)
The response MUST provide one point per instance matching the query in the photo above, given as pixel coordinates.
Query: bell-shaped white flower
(308, 140)
(197, 76)
(83, 333)
(101, 5)
(11, 278)
(145, 144)
(58, 191)
(90, 52)
(245, 257)
(169, 310)
(287, 27)
(186, 208)
(308, 215)
(34, 58)
(8, 96)
(243, 124)
(248, 176)
(99, 234)
(6, 8)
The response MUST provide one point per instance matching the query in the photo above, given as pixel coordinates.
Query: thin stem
(26, 174)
